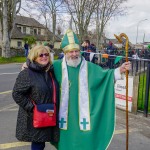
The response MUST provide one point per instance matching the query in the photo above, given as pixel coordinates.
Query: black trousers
(37, 145)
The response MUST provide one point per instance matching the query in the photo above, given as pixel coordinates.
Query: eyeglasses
(42, 55)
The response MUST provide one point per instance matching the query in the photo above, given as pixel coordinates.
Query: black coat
(35, 84)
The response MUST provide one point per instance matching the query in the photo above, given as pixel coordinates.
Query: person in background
(87, 47)
(34, 84)
(26, 48)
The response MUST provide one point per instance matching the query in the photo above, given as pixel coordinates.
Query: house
(25, 26)
(139, 46)
(146, 45)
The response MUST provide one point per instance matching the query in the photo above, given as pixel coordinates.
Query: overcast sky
(139, 11)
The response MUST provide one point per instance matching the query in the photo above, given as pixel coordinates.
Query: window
(24, 30)
(19, 28)
(31, 31)
(27, 30)
(39, 31)
(35, 31)
(19, 44)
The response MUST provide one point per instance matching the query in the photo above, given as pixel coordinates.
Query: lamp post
(138, 28)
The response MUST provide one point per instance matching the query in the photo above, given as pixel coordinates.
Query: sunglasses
(42, 55)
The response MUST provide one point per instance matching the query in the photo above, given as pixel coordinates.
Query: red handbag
(44, 115)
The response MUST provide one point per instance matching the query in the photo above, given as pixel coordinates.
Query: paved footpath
(139, 132)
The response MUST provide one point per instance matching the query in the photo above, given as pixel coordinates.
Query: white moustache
(76, 57)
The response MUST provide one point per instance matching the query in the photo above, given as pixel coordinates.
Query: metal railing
(141, 67)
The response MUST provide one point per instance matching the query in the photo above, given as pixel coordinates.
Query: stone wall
(15, 52)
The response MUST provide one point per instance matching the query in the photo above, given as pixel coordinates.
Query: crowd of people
(84, 94)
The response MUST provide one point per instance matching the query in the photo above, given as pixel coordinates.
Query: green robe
(102, 109)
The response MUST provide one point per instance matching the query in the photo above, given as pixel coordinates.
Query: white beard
(73, 62)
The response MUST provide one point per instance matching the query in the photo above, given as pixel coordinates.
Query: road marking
(14, 144)
(5, 92)
(21, 144)
(8, 73)
(124, 131)
(15, 109)
(8, 107)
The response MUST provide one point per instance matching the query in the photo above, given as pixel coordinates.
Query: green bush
(141, 94)
(29, 39)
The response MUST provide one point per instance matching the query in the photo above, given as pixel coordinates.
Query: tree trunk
(97, 30)
(8, 16)
(81, 33)
(5, 39)
(101, 34)
(54, 26)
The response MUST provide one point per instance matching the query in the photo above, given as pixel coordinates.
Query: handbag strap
(54, 88)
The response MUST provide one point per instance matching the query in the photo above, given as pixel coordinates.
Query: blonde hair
(36, 51)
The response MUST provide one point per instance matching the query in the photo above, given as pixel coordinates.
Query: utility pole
(138, 28)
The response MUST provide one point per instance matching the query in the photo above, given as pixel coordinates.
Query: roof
(30, 22)
(27, 21)
(16, 33)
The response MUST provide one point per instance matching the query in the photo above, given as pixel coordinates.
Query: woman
(34, 85)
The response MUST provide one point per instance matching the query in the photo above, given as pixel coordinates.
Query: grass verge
(12, 60)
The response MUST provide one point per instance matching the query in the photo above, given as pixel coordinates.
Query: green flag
(117, 59)
(81, 53)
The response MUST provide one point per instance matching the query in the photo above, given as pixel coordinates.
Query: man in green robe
(87, 101)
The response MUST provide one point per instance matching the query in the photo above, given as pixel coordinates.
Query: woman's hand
(24, 66)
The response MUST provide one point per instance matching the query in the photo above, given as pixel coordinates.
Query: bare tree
(53, 5)
(81, 12)
(47, 8)
(8, 11)
(105, 11)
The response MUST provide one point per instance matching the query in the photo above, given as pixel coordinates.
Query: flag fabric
(117, 59)
(105, 56)
(91, 56)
